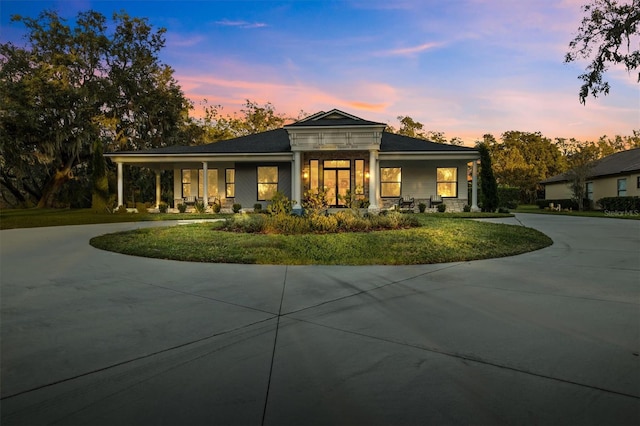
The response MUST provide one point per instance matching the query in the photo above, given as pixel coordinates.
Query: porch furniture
(406, 203)
(213, 200)
(434, 200)
(190, 200)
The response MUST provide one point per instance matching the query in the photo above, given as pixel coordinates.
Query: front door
(337, 181)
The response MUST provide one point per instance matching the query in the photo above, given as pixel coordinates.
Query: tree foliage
(523, 159)
(414, 129)
(488, 184)
(73, 84)
(607, 36)
(254, 118)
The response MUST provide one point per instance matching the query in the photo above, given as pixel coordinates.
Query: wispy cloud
(241, 24)
(410, 51)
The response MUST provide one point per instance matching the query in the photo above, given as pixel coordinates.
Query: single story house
(616, 175)
(334, 151)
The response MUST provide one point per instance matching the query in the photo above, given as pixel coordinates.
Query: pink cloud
(410, 51)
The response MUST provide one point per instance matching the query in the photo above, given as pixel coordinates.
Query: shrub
(245, 223)
(350, 221)
(236, 207)
(344, 221)
(121, 209)
(280, 204)
(199, 207)
(620, 203)
(315, 202)
(512, 204)
(466, 208)
(142, 208)
(182, 207)
(257, 207)
(503, 210)
(508, 196)
(216, 207)
(286, 224)
(323, 224)
(163, 207)
(442, 207)
(422, 207)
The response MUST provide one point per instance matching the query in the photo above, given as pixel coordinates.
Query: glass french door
(336, 183)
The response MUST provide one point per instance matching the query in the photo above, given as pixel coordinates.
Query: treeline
(77, 90)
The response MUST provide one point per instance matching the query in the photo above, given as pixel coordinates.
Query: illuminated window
(230, 183)
(359, 165)
(447, 181)
(337, 164)
(186, 182)
(267, 183)
(390, 181)
(212, 182)
(314, 174)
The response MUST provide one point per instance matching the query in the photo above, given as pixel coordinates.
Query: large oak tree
(71, 85)
(608, 35)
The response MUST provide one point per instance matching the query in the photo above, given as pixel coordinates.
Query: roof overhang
(155, 160)
(423, 155)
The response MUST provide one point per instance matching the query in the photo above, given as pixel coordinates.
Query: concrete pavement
(548, 337)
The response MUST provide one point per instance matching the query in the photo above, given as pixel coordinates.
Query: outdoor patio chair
(434, 200)
(406, 203)
(190, 200)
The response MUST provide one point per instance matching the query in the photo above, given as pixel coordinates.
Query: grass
(32, 218)
(439, 239)
(590, 213)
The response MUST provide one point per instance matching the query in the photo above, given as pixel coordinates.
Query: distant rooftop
(614, 164)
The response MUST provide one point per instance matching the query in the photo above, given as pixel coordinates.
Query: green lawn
(32, 218)
(591, 213)
(439, 239)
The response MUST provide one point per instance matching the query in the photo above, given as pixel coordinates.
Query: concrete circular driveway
(548, 337)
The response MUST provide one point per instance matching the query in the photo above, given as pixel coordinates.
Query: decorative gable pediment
(334, 130)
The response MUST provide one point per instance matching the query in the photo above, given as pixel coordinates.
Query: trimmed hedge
(620, 203)
(509, 197)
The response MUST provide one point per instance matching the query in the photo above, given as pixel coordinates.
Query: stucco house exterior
(333, 150)
(617, 175)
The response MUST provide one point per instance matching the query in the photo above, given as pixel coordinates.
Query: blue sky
(463, 67)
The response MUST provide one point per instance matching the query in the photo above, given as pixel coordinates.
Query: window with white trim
(390, 181)
(267, 182)
(447, 181)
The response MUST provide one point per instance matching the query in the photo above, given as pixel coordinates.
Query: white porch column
(296, 184)
(205, 183)
(158, 189)
(120, 186)
(374, 187)
(474, 187)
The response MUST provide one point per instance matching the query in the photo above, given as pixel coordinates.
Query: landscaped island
(418, 239)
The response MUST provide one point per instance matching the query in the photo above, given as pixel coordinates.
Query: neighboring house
(331, 150)
(617, 175)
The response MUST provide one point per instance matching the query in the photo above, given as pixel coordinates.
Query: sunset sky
(463, 67)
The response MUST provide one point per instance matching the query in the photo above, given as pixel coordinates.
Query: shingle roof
(272, 141)
(277, 141)
(620, 162)
(392, 142)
